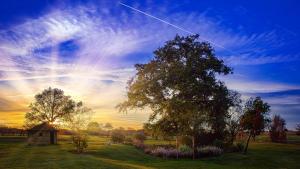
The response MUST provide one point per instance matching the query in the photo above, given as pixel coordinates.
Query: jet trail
(168, 23)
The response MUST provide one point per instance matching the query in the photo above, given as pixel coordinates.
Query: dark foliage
(298, 129)
(255, 118)
(278, 130)
(117, 137)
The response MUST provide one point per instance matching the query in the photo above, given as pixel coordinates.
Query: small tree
(233, 129)
(254, 119)
(78, 124)
(278, 130)
(298, 129)
(235, 113)
(80, 142)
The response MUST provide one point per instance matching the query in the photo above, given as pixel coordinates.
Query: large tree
(52, 106)
(180, 84)
(255, 118)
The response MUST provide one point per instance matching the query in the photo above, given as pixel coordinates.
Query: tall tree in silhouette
(51, 105)
(179, 84)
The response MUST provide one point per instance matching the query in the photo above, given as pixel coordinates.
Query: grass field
(264, 155)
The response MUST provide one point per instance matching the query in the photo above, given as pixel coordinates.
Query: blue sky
(88, 48)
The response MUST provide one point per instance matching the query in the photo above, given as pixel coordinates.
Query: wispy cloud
(255, 59)
(31, 58)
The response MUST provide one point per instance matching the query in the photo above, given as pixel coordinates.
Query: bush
(139, 145)
(204, 139)
(117, 137)
(163, 152)
(128, 141)
(208, 151)
(80, 142)
(185, 149)
(139, 137)
(185, 140)
(219, 143)
(278, 130)
(237, 147)
(147, 150)
(240, 146)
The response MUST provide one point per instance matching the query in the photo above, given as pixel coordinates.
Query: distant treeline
(101, 132)
(10, 131)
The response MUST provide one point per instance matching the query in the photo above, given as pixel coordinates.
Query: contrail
(154, 17)
(168, 23)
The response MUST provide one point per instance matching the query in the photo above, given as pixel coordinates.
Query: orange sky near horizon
(15, 106)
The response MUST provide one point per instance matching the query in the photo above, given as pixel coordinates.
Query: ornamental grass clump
(185, 151)
(164, 152)
(208, 151)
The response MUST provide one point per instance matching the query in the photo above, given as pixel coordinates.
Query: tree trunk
(246, 148)
(193, 140)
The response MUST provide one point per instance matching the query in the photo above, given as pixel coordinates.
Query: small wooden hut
(42, 134)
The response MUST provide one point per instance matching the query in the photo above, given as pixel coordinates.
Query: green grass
(99, 155)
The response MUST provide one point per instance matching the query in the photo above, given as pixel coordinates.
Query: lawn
(102, 156)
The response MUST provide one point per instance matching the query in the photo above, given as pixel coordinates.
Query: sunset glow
(89, 51)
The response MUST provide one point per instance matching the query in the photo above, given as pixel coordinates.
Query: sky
(89, 48)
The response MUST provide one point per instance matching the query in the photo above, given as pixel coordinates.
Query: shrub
(208, 151)
(117, 137)
(80, 142)
(185, 149)
(240, 146)
(139, 145)
(128, 141)
(163, 152)
(139, 137)
(147, 150)
(206, 138)
(219, 143)
(159, 151)
(237, 147)
(185, 140)
(277, 131)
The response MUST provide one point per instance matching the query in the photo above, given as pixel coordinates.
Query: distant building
(42, 134)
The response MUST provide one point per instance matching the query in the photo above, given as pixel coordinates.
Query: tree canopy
(53, 106)
(180, 86)
(255, 117)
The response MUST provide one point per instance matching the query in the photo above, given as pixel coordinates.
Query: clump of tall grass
(208, 151)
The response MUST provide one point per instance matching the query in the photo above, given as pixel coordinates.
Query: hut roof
(43, 126)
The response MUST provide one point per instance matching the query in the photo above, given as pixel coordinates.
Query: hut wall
(39, 138)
